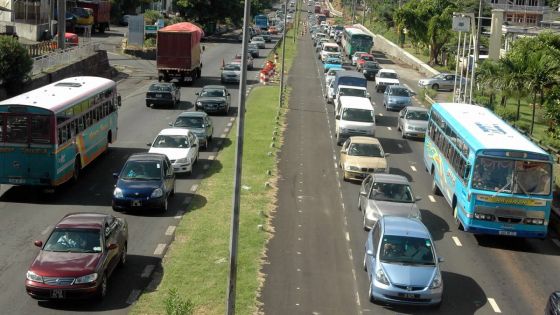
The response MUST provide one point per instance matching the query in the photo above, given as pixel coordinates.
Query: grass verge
(194, 272)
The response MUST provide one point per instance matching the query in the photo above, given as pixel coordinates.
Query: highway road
(29, 214)
(314, 261)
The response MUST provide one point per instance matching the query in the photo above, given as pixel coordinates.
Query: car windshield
(359, 115)
(366, 58)
(159, 88)
(189, 122)
(417, 115)
(253, 46)
(232, 67)
(399, 92)
(407, 250)
(330, 48)
(512, 176)
(392, 192)
(388, 75)
(74, 241)
(353, 92)
(334, 61)
(142, 170)
(212, 93)
(171, 141)
(365, 149)
(371, 65)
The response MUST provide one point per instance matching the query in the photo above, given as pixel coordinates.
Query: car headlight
(158, 192)
(198, 103)
(380, 276)
(86, 279)
(352, 168)
(365, 71)
(184, 160)
(118, 193)
(34, 277)
(436, 283)
(409, 128)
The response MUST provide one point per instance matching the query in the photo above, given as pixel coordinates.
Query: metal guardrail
(64, 56)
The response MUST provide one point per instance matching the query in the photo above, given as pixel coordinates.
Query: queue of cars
(400, 258)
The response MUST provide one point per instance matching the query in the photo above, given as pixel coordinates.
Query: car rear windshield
(159, 88)
(232, 67)
(189, 122)
(388, 75)
(74, 240)
(171, 141)
(212, 93)
(407, 250)
(359, 115)
(353, 92)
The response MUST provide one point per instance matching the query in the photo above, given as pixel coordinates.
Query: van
(349, 90)
(355, 117)
(352, 78)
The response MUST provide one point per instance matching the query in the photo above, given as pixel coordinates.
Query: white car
(259, 41)
(181, 147)
(384, 78)
(355, 57)
(328, 50)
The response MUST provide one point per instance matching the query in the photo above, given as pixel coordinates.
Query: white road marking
(223, 135)
(194, 187)
(457, 241)
(133, 296)
(299, 225)
(335, 165)
(494, 305)
(347, 236)
(179, 214)
(399, 145)
(380, 114)
(413, 168)
(229, 124)
(299, 253)
(147, 271)
(432, 199)
(45, 231)
(211, 157)
(159, 249)
(556, 241)
(226, 130)
(389, 128)
(232, 119)
(170, 230)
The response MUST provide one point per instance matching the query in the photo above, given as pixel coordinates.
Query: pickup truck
(384, 78)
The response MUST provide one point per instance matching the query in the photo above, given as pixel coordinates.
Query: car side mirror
(337, 117)
(112, 246)
(440, 259)
(38, 243)
(204, 126)
(363, 193)
(116, 175)
(229, 94)
(386, 93)
(171, 124)
(370, 252)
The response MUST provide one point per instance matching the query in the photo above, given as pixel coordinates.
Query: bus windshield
(512, 176)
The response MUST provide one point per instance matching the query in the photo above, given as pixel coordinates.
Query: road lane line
(170, 230)
(380, 114)
(45, 231)
(179, 214)
(159, 249)
(211, 157)
(226, 130)
(194, 187)
(229, 124)
(389, 128)
(457, 241)
(133, 296)
(413, 168)
(494, 305)
(147, 271)
(335, 165)
(347, 236)
(232, 119)
(223, 135)
(399, 145)
(432, 199)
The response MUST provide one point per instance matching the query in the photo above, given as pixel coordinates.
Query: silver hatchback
(413, 122)
(442, 81)
(396, 97)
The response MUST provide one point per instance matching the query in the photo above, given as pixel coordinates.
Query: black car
(146, 181)
(253, 49)
(553, 304)
(163, 94)
(370, 69)
(213, 99)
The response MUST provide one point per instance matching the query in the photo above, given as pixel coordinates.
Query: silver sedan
(413, 122)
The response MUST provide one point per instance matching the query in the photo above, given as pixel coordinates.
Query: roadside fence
(59, 57)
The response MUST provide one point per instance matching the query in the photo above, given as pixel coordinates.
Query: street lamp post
(284, 30)
(234, 230)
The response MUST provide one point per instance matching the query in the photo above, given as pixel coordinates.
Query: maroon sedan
(79, 255)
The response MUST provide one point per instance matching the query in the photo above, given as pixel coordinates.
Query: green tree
(488, 78)
(15, 63)
(513, 75)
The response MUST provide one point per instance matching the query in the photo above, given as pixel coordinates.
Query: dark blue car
(146, 181)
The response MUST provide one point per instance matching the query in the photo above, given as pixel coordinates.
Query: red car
(362, 59)
(78, 257)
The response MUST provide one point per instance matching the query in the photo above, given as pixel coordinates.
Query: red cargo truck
(101, 13)
(178, 53)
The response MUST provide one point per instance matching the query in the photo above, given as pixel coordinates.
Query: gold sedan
(360, 156)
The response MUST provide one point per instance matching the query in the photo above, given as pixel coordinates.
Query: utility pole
(476, 47)
(353, 12)
(284, 30)
(61, 22)
(234, 230)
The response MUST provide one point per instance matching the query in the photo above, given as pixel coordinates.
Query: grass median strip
(194, 272)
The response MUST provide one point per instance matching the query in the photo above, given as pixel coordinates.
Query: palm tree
(487, 75)
(514, 78)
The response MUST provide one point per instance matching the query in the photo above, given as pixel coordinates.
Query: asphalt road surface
(29, 214)
(314, 261)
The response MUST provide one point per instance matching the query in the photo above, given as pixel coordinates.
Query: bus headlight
(533, 221)
(483, 216)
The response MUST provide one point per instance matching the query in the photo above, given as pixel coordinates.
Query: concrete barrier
(391, 49)
(332, 9)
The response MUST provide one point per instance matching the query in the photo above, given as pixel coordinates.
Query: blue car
(331, 63)
(146, 181)
(397, 97)
(402, 264)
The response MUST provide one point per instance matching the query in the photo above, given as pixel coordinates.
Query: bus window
(1, 128)
(80, 124)
(40, 129)
(16, 129)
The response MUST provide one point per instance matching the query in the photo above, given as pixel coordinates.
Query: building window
(533, 3)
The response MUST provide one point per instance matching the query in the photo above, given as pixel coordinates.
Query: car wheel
(116, 209)
(147, 104)
(398, 125)
(172, 192)
(102, 290)
(344, 177)
(359, 203)
(435, 86)
(122, 261)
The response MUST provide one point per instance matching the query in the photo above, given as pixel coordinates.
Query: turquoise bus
(49, 134)
(354, 39)
(495, 179)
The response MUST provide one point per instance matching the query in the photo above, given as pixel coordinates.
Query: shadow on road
(435, 224)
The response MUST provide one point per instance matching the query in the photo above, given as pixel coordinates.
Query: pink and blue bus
(494, 178)
(48, 135)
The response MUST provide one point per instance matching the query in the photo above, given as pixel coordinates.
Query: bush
(524, 126)
(176, 305)
(151, 16)
(15, 63)
(506, 113)
(150, 42)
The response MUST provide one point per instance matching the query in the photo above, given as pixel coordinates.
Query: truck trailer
(101, 10)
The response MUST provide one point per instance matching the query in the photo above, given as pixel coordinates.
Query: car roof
(192, 114)
(361, 139)
(145, 156)
(398, 86)
(417, 109)
(87, 220)
(387, 70)
(174, 132)
(356, 102)
(214, 87)
(393, 225)
(330, 45)
(341, 86)
(390, 178)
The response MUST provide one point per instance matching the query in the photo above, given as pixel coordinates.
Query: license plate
(188, 79)
(136, 203)
(508, 233)
(408, 295)
(158, 95)
(57, 294)
(16, 180)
